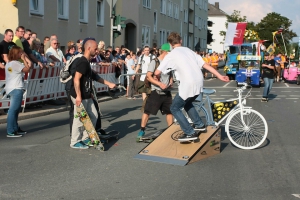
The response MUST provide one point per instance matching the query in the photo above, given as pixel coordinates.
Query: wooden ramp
(166, 148)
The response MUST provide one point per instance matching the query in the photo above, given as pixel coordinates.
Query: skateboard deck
(109, 135)
(151, 136)
(88, 126)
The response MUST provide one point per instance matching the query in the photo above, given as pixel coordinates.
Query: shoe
(15, 134)
(186, 137)
(79, 145)
(21, 132)
(101, 132)
(140, 134)
(264, 99)
(87, 142)
(202, 128)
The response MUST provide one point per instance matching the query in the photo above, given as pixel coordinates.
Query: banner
(235, 33)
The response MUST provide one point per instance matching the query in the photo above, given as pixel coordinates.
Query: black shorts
(157, 102)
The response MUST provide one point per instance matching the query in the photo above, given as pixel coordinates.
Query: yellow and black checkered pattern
(220, 109)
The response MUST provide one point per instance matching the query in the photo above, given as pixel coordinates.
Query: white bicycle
(246, 128)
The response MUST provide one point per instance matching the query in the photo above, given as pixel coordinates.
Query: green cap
(166, 47)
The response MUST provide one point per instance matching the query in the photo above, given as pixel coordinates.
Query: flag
(271, 49)
(235, 33)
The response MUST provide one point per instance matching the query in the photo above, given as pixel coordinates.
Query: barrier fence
(44, 84)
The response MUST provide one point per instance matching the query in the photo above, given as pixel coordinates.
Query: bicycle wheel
(202, 113)
(250, 136)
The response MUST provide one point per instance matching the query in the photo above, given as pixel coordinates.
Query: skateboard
(88, 126)
(109, 135)
(148, 138)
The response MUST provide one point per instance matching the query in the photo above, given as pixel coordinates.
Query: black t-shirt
(268, 73)
(4, 48)
(83, 67)
(26, 47)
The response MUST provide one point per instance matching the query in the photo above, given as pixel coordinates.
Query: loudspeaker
(167, 149)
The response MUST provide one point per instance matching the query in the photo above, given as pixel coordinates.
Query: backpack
(147, 83)
(65, 73)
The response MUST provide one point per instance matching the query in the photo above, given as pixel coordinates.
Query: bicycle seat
(208, 91)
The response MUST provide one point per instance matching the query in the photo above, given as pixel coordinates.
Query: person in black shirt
(6, 45)
(268, 68)
(81, 92)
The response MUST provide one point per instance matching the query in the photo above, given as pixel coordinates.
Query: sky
(255, 10)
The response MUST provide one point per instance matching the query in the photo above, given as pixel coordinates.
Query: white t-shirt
(13, 76)
(188, 65)
(144, 64)
(58, 54)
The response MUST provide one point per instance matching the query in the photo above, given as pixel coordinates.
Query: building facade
(148, 22)
(218, 19)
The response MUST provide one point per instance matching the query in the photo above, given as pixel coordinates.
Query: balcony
(192, 5)
(191, 28)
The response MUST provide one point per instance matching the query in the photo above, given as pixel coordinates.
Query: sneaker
(202, 128)
(186, 137)
(140, 134)
(79, 145)
(264, 100)
(101, 132)
(87, 142)
(15, 134)
(21, 132)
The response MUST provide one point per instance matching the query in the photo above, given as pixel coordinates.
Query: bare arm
(77, 88)
(109, 84)
(54, 59)
(2, 66)
(137, 68)
(26, 69)
(216, 73)
(5, 57)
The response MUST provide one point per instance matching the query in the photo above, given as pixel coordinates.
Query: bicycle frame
(239, 105)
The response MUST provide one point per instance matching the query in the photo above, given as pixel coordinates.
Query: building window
(199, 23)
(195, 41)
(176, 11)
(147, 3)
(196, 20)
(181, 28)
(185, 19)
(190, 41)
(36, 7)
(145, 35)
(83, 11)
(181, 5)
(63, 9)
(170, 8)
(163, 7)
(155, 22)
(196, 2)
(185, 40)
(201, 4)
(162, 37)
(100, 13)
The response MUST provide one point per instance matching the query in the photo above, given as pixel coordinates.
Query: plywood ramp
(167, 149)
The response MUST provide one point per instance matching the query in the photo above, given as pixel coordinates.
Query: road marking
(224, 91)
(254, 98)
(255, 91)
(217, 98)
(281, 95)
(285, 91)
(227, 84)
(296, 195)
(287, 85)
(294, 95)
(227, 95)
(292, 98)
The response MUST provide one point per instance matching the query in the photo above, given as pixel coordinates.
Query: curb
(50, 111)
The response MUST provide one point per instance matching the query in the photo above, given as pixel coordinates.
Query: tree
(271, 23)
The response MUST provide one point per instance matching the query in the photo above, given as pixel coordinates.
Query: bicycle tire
(201, 109)
(249, 137)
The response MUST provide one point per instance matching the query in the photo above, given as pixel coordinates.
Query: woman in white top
(14, 70)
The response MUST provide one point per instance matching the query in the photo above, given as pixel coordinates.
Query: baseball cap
(166, 47)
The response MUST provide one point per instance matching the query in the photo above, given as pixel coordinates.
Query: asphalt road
(41, 165)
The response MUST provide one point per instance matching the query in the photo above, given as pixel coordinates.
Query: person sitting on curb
(81, 92)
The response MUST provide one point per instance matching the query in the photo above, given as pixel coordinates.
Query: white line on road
(287, 85)
(296, 195)
(216, 98)
(294, 95)
(285, 91)
(254, 98)
(227, 95)
(227, 84)
(292, 98)
(224, 91)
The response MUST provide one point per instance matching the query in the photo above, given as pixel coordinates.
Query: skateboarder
(188, 65)
(81, 93)
(160, 97)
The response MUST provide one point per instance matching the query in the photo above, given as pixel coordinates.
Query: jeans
(16, 97)
(188, 106)
(268, 87)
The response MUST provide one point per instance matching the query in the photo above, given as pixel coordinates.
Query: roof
(215, 11)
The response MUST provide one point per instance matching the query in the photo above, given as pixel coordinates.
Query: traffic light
(119, 20)
(116, 33)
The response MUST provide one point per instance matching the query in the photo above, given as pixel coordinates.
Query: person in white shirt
(54, 54)
(188, 64)
(144, 61)
(130, 79)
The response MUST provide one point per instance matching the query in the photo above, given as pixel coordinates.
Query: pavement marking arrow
(296, 195)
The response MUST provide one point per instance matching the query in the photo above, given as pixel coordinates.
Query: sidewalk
(47, 109)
